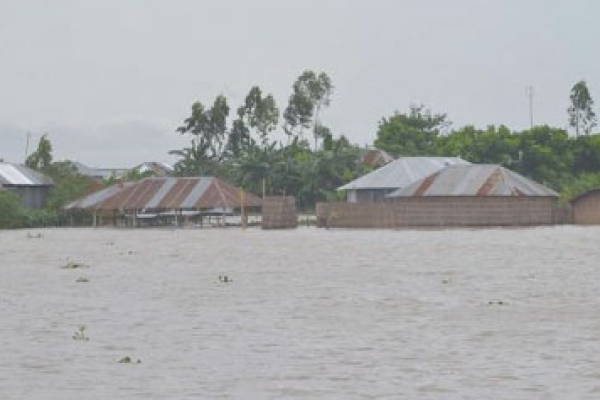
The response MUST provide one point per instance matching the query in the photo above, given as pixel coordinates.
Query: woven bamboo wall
(279, 212)
(586, 209)
(440, 212)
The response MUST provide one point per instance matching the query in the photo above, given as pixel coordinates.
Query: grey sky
(110, 80)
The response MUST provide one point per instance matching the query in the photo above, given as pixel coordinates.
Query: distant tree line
(240, 146)
(568, 164)
(311, 161)
(245, 153)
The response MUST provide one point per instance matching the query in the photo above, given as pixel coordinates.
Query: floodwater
(309, 314)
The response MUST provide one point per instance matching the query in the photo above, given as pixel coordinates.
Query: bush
(11, 211)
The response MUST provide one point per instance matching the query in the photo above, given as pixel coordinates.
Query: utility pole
(27, 146)
(530, 92)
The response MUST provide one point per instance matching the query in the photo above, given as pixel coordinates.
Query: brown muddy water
(310, 314)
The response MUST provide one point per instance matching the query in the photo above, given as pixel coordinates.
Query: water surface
(310, 314)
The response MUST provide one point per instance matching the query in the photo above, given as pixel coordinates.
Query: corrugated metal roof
(20, 175)
(402, 172)
(92, 200)
(103, 173)
(474, 180)
(166, 194)
(158, 168)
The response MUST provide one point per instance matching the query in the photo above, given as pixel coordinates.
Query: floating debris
(82, 279)
(80, 334)
(74, 265)
(225, 279)
(129, 360)
(34, 236)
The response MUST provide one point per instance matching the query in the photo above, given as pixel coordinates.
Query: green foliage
(69, 185)
(208, 128)
(247, 156)
(259, 113)
(411, 134)
(42, 157)
(11, 212)
(311, 93)
(580, 185)
(14, 216)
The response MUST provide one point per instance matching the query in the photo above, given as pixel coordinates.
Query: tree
(581, 115)
(69, 185)
(42, 157)
(311, 93)
(208, 128)
(259, 113)
(411, 134)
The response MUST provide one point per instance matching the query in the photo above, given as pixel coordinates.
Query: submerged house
(375, 186)
(32, 187)
(162, 199)
(476, 195)
(585, 208)
(459, 195)
(99, 174)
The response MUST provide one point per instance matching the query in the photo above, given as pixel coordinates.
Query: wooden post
(243, 208)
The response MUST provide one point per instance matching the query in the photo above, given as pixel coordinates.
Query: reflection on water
(309, 314)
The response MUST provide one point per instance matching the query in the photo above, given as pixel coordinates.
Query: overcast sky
(110, 80)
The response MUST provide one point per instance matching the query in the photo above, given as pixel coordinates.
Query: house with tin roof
(474, 180)
(32, 187)
(375, 186)
(165, 198)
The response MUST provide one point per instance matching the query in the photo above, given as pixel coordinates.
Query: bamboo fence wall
(440, 212)
(279, 212)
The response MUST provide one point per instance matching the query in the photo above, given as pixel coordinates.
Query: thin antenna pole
(530, 92)
(27, 145)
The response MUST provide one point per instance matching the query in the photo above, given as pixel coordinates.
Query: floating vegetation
(225, 279)
(82, 279)
(497, 303)
(129, 360)
(80, 334)
(74, 265)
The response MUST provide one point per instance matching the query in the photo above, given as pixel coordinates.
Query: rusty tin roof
(475, 180)
(167, 194)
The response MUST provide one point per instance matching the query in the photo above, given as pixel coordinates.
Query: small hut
(585, 208)
(157, 201)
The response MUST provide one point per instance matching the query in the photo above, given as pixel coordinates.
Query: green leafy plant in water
(73, 265)
(129, 360)
(80, 334)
